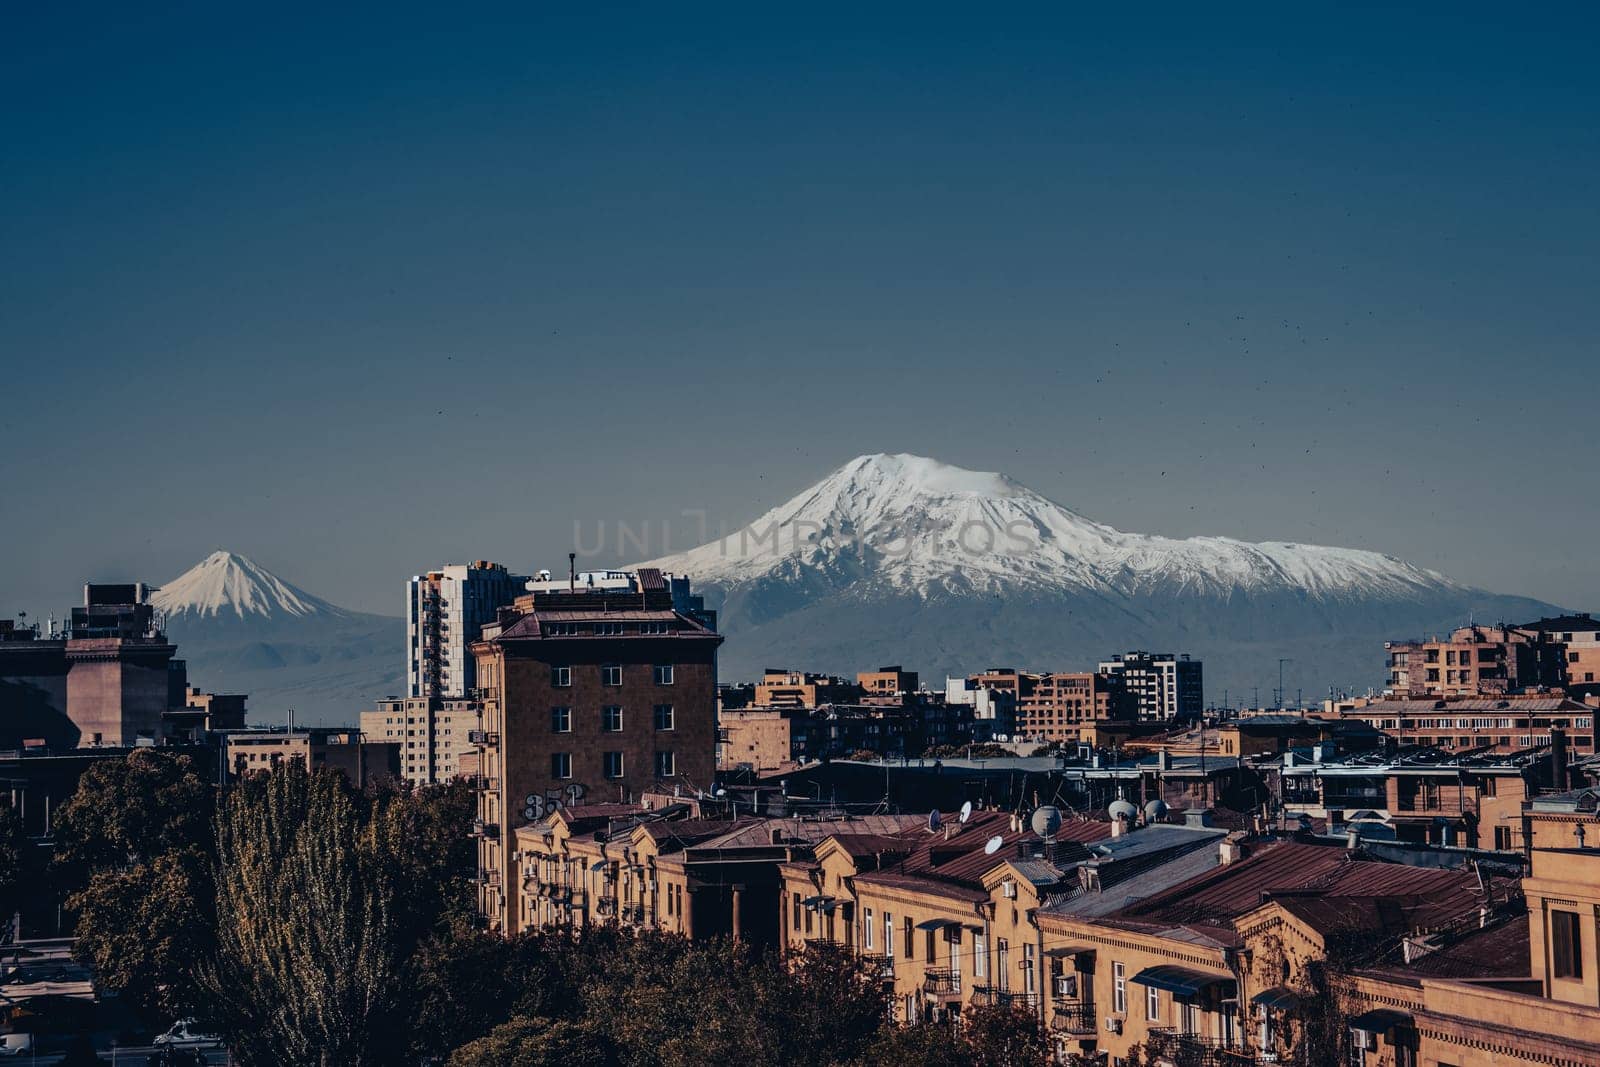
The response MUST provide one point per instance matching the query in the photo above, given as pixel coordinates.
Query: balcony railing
(941, 982)
(1072, 1017)
(1005, 998)
(1197, 1050)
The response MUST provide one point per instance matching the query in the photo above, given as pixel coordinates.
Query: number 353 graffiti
(535, 806)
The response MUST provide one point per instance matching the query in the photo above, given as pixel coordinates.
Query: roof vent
(1197, 818)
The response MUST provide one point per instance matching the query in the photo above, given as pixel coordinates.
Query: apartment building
(446, 611)
(1420, 795)
(1053, 706)
(777, 738)
(664, 870)
(887, 685)
(341, 748)
(783, 688)
(1579, 638)
(1163, 686)
(590, 694)
(433, 734)
(1500, 993)
(1506, 724)
(1476, 660)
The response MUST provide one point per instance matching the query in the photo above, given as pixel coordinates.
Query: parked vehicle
(16, 1044)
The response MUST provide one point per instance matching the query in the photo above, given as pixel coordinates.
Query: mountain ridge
(901, 558)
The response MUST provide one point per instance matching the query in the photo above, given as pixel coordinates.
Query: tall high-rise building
(1162, 686)
(593, 691)
(446, 610)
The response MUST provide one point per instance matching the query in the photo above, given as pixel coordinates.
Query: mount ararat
(903, 559)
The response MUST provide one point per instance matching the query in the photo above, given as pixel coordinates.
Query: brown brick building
(588, 697)
(1055, 706)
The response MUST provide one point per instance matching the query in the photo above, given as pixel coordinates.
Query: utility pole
(1281, 662)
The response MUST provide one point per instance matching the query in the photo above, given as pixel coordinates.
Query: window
(795, 907)
(1028, 976)
(613, 764)
(561, 720)
(666, 765)
(664, 717)
(1502, 838)
(888, 934)
(663, 674)
(1566, 944)
(908, 945)
(867, 927)
(980, 957)
(610, 674)
(611, 718)
(1152, 1003)
(1119, 988)
(561, 765)
(561, 677)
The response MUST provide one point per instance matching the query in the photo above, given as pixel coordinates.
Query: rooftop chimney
(1197, 818)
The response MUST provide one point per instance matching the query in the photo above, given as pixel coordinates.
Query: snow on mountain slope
(242, 629)
(228, 584)
(911, 524)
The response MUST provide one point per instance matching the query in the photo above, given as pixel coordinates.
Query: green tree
(537, 1042)
(1005, 1037)
(313, 927)
(132, 849)
(128, 811)
(16, 863)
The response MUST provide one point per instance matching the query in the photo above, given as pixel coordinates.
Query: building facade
(433, 735)
(446, 610)
(1163, 686)
(589, 695)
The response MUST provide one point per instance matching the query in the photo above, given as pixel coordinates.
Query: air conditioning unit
(1113, 1024)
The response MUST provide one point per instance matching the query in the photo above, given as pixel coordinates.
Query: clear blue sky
(360, 292)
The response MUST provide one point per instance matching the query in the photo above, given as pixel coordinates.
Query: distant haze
(364, 293)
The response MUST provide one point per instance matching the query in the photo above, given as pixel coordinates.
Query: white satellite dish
(966, 811)
(721, 792)
(993, 845)
(934, 822)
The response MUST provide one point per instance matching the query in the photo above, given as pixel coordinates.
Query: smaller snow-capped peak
(228, 584)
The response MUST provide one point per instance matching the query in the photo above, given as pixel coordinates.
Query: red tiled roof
(1500, 951)
(956, 866)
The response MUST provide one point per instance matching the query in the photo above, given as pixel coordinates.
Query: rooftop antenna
(572, 572)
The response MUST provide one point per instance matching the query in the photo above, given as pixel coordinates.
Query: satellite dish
(1046, 821)
(993, 845)
(934, 822)
(966, 811)
(721, 792)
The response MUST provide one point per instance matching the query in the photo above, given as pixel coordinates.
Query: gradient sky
(361, 292)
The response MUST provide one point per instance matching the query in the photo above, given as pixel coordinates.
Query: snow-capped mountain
(241, 628)
(226, 584)
(903, 558)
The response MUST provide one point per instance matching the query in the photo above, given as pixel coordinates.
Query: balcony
(943, 983)
(1005, 998)
(1072, 1017)
(486, 877)
(1195, 1050)
(480, 828)
(483, 737)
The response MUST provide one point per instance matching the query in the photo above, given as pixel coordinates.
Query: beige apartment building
(433, 734)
